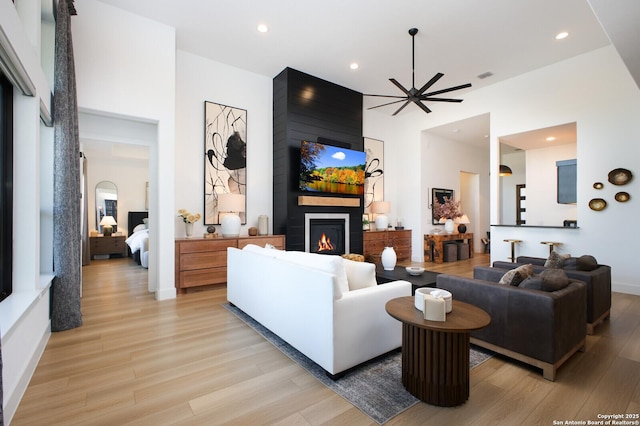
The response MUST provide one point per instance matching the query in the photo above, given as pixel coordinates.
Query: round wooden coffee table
(435, 355)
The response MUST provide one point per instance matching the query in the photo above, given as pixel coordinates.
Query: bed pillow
(140, 227)
(146, 222)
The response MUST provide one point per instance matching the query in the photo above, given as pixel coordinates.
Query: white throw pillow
(253, 248)
(322, 262)
(360, 274)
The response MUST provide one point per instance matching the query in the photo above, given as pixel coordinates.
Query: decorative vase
(188, 229)
(388, 258)
(449, 226)
(263, 224)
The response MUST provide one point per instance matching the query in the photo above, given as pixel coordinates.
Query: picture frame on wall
(439, 194)
(374, 172)
(225, 157)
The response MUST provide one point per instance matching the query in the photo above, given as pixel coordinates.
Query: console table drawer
(203, 277)
(197, 246)
(204, 260)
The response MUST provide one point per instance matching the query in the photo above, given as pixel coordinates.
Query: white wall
(126, 66)
(200, 80)
(594, 90)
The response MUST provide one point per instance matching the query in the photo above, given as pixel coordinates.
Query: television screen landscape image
(326, 168)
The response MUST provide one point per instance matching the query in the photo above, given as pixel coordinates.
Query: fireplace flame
(324, 244)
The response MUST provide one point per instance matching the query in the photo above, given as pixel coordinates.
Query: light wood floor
(188, 361)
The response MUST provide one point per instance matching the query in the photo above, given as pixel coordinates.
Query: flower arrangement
(188, 217)
(450, 209)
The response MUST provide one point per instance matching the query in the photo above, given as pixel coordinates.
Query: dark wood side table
(435, 355)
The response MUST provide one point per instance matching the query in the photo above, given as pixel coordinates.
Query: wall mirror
(529, 195)
(439, 194)
(106, 203)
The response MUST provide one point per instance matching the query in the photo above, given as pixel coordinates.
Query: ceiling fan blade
(401, 108)
(399, 86)
(423, 107)
(422, 98)
(430, 83)
(450, 89)
(386, 96)
(388, 103)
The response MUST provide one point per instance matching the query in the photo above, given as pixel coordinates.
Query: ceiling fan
(417, 96)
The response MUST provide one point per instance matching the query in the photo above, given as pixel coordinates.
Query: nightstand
(108, 245)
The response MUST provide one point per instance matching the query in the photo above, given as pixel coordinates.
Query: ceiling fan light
(505, 170)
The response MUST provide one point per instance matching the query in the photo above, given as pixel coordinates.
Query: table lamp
(380, 208)
(231, 205)
(462, 223)
(107, 224)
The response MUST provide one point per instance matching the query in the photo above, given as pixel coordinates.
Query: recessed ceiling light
(551, 138)
(263, 28)
(354, 66)
(562, 35)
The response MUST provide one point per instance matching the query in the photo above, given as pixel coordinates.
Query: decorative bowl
(414, 270)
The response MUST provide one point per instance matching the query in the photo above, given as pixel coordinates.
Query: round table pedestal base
(435, 365)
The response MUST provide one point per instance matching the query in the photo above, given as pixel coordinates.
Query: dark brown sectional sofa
(537, 327)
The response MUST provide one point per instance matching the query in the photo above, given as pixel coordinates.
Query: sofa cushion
(516, 276)
(586, 263)
(556, 260)
(554, 279)
(359, 274)
(322, 262)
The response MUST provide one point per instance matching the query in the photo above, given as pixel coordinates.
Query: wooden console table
(203, 261)
(433, 245)
(374, 242)
(435, 355)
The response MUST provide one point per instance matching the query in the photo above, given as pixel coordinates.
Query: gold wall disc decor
(620, 176)
(622, 197)
(597, 204)
(598, 185)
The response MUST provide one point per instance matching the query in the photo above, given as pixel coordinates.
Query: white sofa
(329, 308)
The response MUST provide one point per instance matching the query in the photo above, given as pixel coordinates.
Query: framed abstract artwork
(225, 157)
(374, 172)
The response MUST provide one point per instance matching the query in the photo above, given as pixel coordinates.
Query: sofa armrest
(360, 319)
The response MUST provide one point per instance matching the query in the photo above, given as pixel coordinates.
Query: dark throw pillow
(533, 282)
(556, 260)
(586, 263)
(554, 279)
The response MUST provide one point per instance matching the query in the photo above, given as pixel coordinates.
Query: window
(6, 186)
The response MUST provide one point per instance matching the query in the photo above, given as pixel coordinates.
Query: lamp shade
(231, 202)
(380, 207)
(107, 221)
(462, 219)
(505, 170)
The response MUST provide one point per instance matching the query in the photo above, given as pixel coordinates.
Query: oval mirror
(106, 204)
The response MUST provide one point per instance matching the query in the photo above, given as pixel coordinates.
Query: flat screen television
(327, 168)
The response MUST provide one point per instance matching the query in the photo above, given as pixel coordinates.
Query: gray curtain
(65, 293)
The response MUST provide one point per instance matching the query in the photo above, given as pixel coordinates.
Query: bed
(138, 240)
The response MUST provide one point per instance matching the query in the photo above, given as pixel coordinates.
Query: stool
(513, 249)
(463, 251)
(450, 252)
(551, 244)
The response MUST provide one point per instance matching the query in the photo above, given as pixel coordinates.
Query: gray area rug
(374, 387)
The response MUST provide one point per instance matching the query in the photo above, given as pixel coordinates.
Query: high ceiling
(461, 38)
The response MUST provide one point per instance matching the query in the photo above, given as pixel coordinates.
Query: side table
(435, 355)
